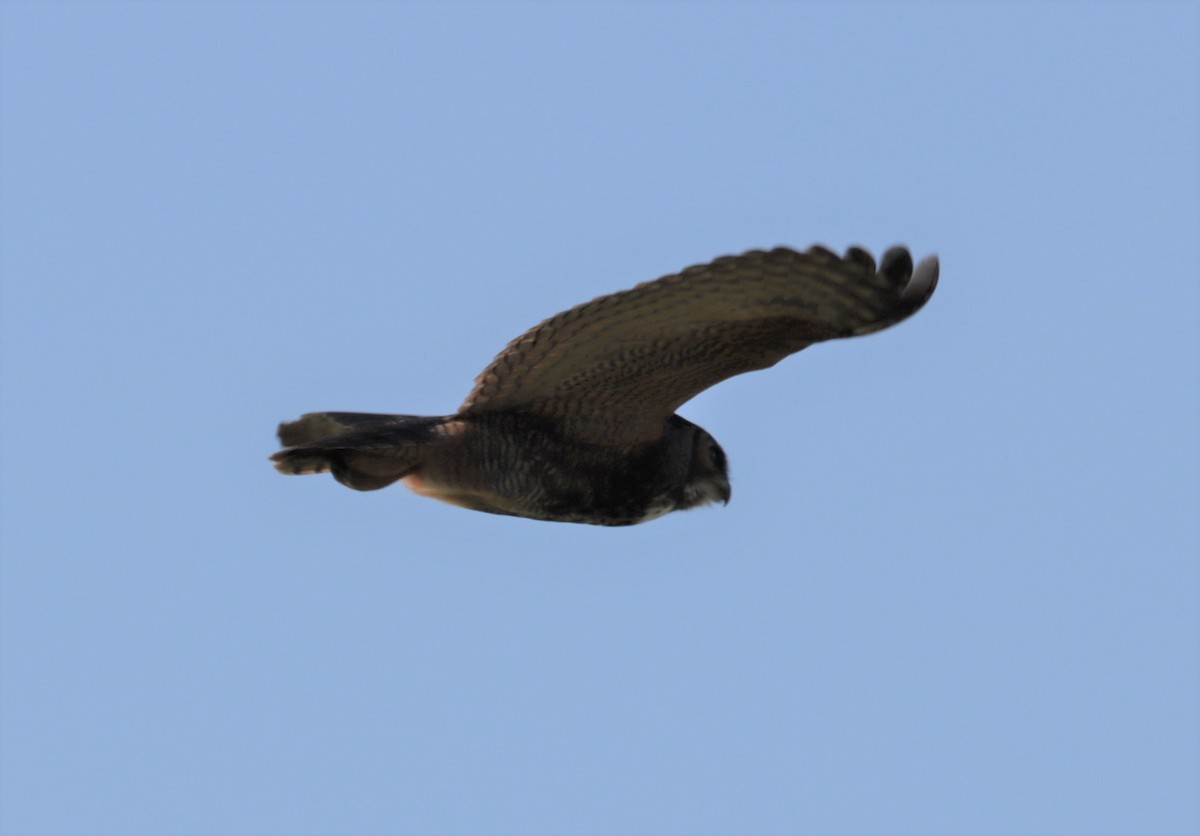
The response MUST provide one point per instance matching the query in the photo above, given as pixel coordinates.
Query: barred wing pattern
(613, 370)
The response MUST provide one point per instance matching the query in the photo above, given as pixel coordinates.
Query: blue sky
(956, 590)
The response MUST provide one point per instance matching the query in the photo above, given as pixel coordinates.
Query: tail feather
(358, 469)
(363, 451)
(316, 426)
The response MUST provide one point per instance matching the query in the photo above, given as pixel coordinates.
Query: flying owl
(575, 420)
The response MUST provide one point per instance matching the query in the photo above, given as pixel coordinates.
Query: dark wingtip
(915, 285)
(897, 265)
(912, 287)
(923, 282)
(861, 257)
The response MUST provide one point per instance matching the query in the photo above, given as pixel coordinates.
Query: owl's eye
(716, 455)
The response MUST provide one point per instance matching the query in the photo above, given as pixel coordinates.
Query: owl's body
(517, 465)
(574, 421)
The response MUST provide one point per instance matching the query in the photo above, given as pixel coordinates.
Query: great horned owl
(575, 420)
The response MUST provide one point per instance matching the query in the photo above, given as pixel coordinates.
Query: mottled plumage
(574, 421)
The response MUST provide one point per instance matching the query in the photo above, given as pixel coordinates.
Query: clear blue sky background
(956, 590)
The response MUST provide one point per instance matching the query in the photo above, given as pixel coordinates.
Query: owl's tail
(363, 451)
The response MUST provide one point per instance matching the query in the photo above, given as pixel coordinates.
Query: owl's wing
(613, 370)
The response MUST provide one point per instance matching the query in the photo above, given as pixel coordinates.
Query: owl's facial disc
(706, 490)
(709, 478)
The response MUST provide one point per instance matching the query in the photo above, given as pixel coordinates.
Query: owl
(574, 421)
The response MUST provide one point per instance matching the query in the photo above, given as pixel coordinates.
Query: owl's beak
(724, 491)
(704, 491)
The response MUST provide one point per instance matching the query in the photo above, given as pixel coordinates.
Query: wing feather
(613, 370)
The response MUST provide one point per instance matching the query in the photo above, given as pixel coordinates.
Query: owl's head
(707, 471)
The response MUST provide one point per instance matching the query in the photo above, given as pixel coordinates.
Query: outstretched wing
(613, 370)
